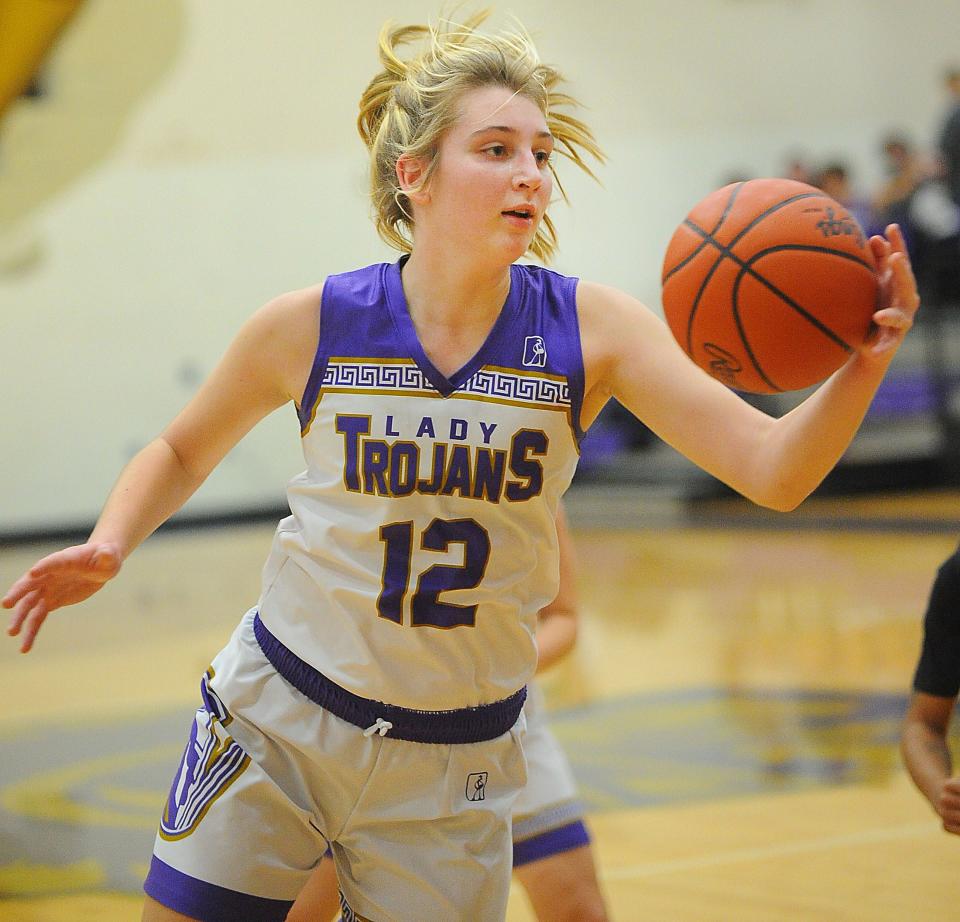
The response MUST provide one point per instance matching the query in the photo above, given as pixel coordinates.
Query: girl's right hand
(63, 578)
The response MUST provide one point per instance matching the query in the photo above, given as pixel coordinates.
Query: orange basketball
(769, 285)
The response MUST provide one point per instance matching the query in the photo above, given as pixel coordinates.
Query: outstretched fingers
(63, 578)
(21, 608)
(22, 587)
(906, 295)
(899, 299)
(902, 299)
(894, 234)
(28, 618)
(881, 249)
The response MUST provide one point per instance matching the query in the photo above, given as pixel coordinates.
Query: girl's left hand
(898, 295)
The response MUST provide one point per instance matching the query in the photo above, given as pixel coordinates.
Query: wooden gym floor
(731, 712)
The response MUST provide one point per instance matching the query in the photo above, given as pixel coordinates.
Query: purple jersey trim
(364, 314)
(555, 842)
(500, 337)
(209, 902)
(311, 393)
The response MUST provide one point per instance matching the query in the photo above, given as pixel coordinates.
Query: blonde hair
(408, 106)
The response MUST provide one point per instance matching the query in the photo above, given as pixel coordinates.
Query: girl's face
(492, 183)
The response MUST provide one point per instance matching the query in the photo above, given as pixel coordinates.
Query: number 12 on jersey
(426, 609)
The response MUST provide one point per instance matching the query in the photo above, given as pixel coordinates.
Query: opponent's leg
(564, 887)
(552, 857)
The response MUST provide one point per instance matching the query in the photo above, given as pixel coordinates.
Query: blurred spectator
(834, 179)
(905, 172)
(917, 199)
(799, 169)
(949, 141)
(935, 250)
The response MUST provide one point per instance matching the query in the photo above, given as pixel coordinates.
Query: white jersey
(422, 542)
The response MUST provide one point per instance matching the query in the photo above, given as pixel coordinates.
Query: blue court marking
(707, 743)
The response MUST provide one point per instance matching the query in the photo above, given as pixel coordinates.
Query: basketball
(769, 285)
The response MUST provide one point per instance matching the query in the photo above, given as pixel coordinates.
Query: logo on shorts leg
(476, 786)
(211, 762)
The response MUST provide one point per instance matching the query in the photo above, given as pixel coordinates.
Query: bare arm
(630, 354)
(265, 366)
(251, 380)
(557, 627)
(923, 743)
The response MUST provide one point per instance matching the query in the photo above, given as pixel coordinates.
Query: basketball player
(373, 698)
(936, 684)
(552, 856)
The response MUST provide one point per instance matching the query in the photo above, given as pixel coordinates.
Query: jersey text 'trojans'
(394, 466)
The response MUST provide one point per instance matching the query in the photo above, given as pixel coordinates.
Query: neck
(453, 305)
(453, 292)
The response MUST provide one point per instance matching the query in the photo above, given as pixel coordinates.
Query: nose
(527, 175)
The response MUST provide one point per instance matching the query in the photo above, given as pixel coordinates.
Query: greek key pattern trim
(374, 376)
(495, 384)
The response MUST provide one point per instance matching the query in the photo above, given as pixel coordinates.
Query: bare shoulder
(616, 331)
(593, 296)
(284, 333)
(290, 314)
(604, 308)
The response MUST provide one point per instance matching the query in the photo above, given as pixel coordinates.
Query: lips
(525, 212)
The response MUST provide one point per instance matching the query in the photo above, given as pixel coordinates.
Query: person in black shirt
(949, 141)
(936, 685)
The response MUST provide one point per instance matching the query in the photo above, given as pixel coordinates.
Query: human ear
(410, 175)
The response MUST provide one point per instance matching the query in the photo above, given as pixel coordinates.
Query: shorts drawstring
(381, 727)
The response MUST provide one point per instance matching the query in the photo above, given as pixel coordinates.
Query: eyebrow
(508, 130)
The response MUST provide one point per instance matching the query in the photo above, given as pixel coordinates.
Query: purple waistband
(466, 725)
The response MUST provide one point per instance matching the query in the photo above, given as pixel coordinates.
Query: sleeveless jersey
(421, 543)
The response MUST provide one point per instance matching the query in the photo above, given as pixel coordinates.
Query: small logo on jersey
(534, 352)
(476, 786)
